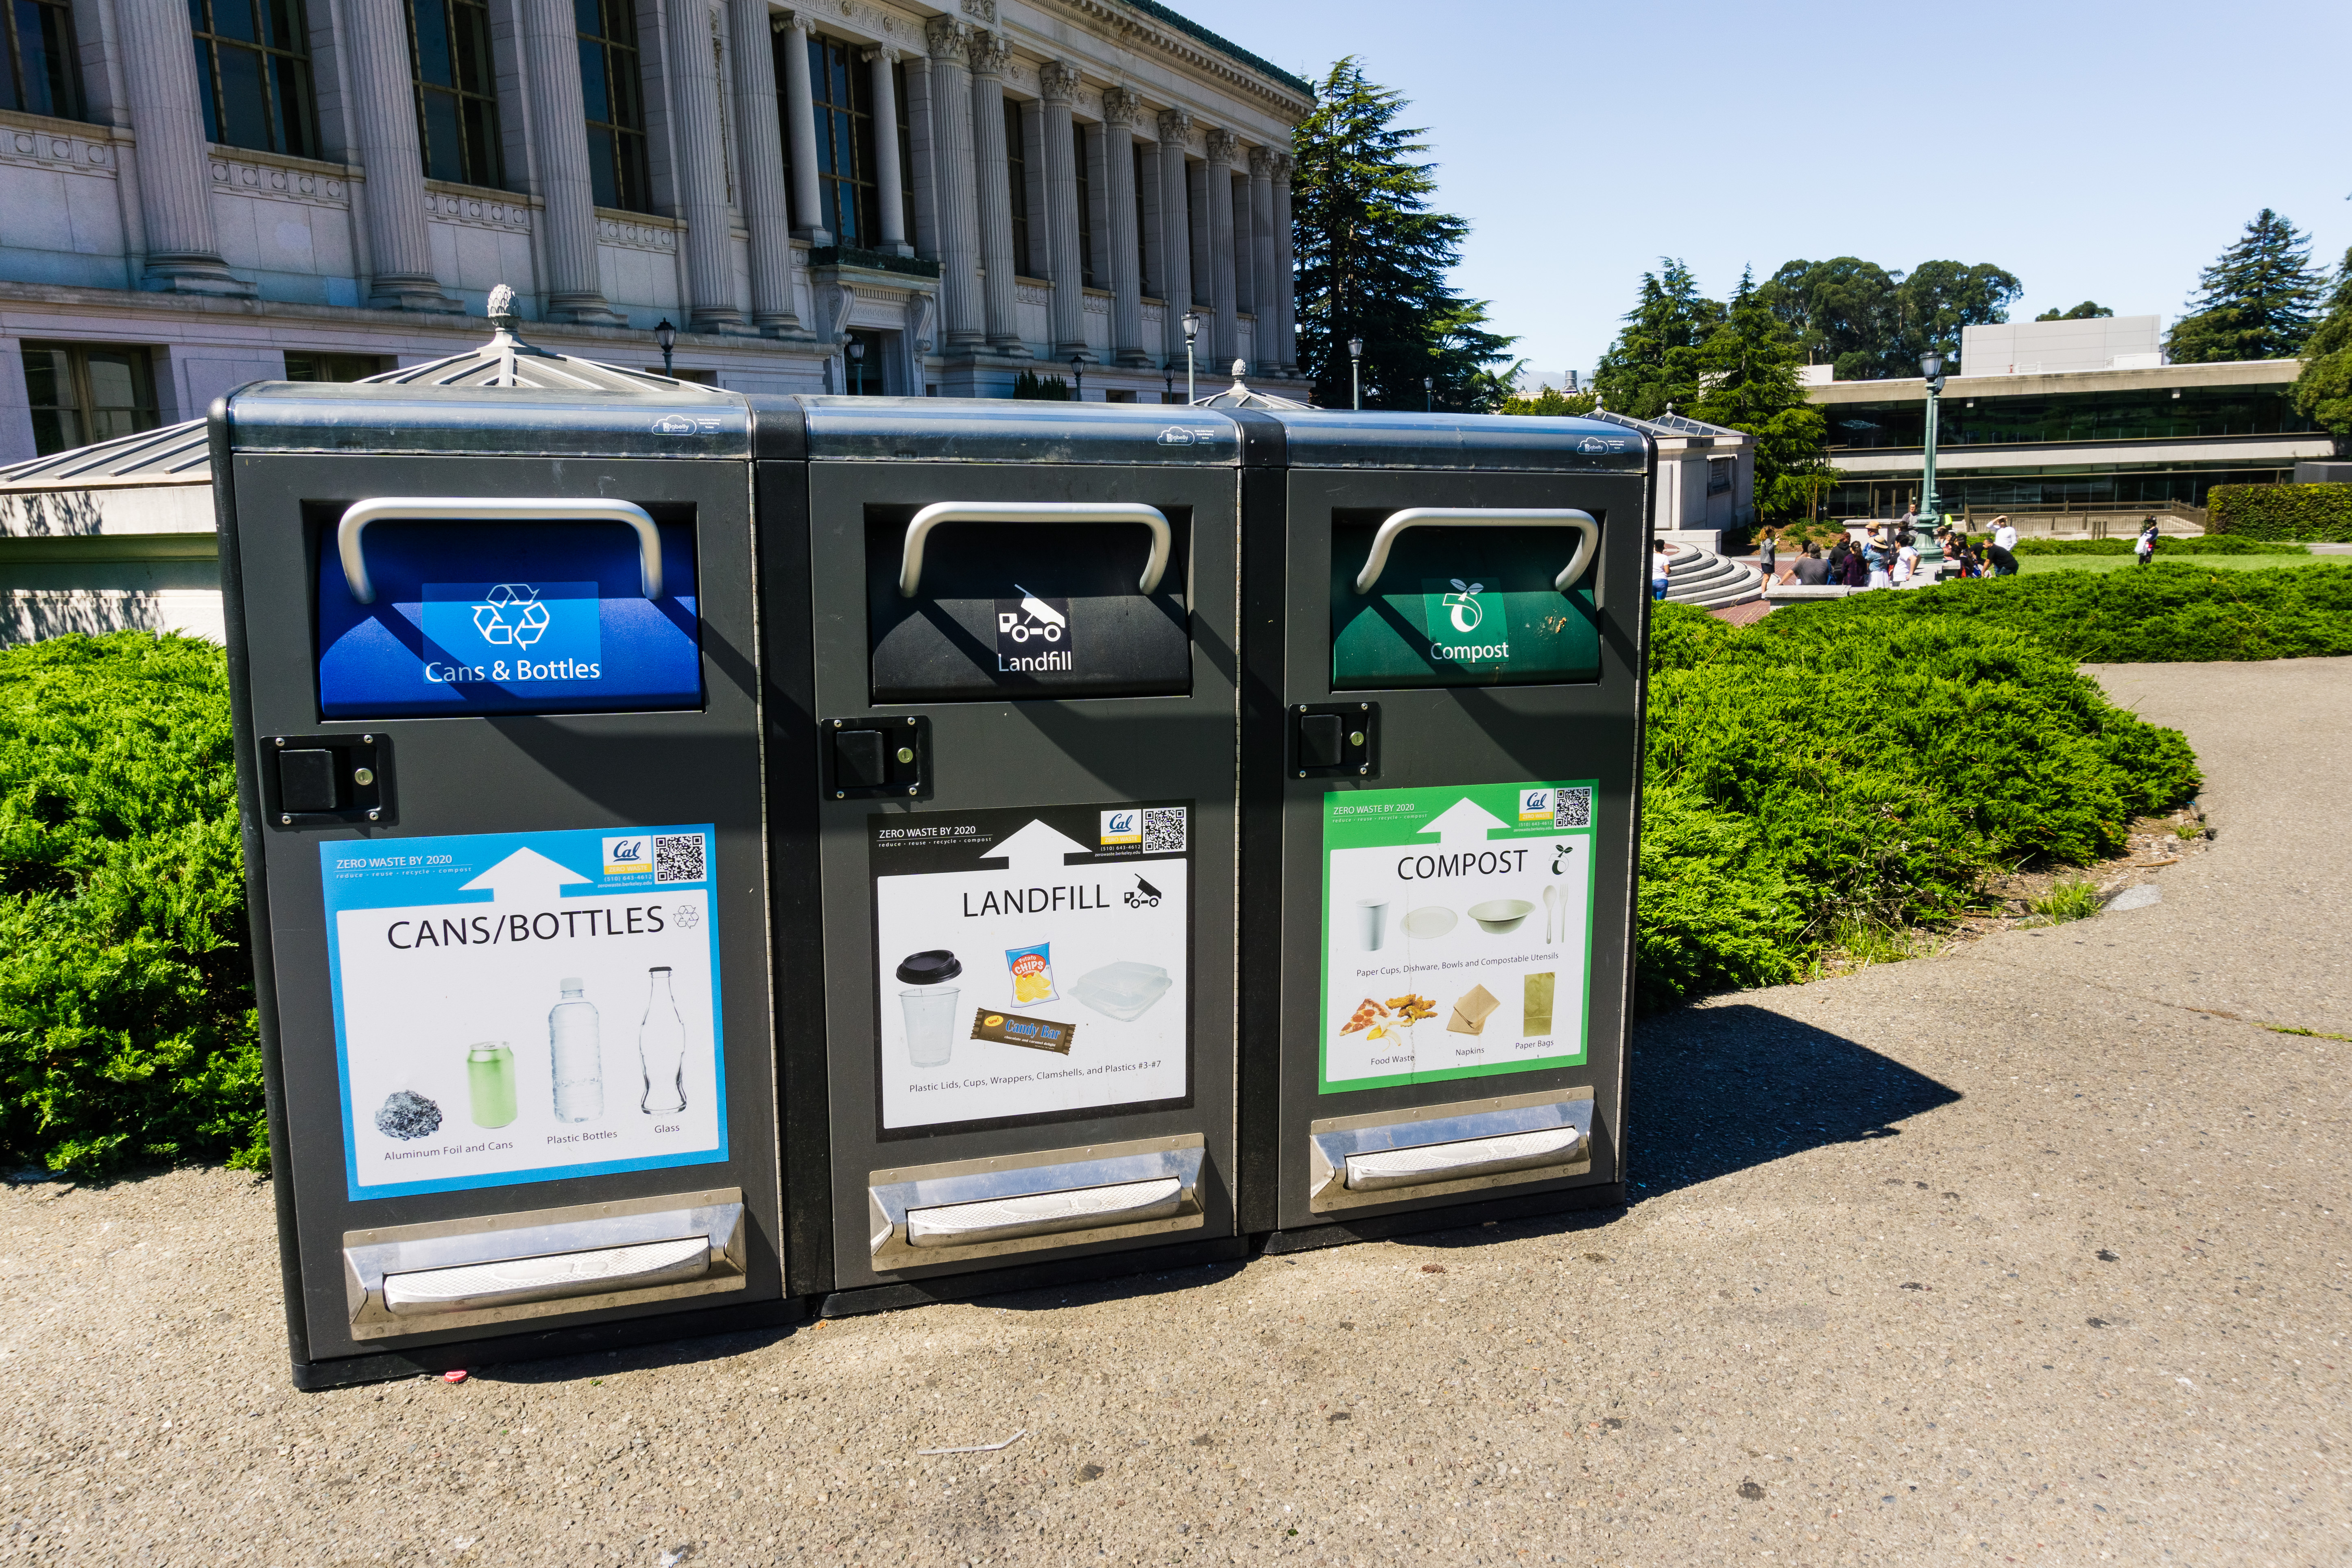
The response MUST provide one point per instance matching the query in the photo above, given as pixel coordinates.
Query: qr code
(677, 857)
(1163, 829)
(1572, 808)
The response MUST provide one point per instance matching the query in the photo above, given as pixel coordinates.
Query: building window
(906, 150)
(253, 69)
(1719, 475)
(841, 93)
(610, 86)
(457, 103)
(41, 78)
(1016, 169)
(83, 393)
(1086, 210)
(335, 368)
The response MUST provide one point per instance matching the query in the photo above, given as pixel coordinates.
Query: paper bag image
(1538, 1021)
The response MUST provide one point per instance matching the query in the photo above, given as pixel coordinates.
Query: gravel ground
(2010, 1255)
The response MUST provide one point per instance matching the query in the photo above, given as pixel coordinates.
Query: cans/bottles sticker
(524, 1006)
(1032, 962)
(1456, 932)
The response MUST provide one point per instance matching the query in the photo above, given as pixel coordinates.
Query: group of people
(1886, 555)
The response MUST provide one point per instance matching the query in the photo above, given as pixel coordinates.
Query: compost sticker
(524, 1006)
(1457, 931)
(1031, 964)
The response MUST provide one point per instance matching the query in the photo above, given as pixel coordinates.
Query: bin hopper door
(1417, 600)
(477, 604)
(981, 601)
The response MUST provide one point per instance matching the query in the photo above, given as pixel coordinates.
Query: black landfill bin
(1442, 631)
(493, 673)
(1007, 978)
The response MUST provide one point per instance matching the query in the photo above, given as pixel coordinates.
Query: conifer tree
(1373, 259)
(2323, 391)
(1749, 371)
(1655, 359)
(2257, 302)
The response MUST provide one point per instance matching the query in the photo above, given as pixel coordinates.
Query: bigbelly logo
(528, 634)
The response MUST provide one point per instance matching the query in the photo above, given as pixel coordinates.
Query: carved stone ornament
(1056, 80)
(1122, 106)
(987, 51)
(1222, 145)
(1261, 164)
(1175, 125)
(1282, 167)
(983, 9)
(884, 52)
(501, 306)
(943, 37)
(791, 21)
(921, 310)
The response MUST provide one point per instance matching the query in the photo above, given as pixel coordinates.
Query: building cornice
(1131, 26)
(2046, 384)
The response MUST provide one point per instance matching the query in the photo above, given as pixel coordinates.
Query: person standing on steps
(1769, 555)
(1661, 570)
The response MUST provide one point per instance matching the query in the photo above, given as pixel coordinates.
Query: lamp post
(1192, 330)
(1169, 395)
(1931, 369)
(857, 363)
(1429, 394)
(667, 336)
(1078, 373)
(1356, 371)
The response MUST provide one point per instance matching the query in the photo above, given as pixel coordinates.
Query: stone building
(851, 195)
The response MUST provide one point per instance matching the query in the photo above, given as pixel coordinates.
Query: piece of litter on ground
(677, 1554)
(456, 1375)
(980, 1447)
(2137, 898)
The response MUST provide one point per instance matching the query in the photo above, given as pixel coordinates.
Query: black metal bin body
(1442, 629)
(494, 683)
(1019, 621)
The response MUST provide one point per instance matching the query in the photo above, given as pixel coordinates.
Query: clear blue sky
(2097, 150)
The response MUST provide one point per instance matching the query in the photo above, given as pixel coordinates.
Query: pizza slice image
(1362, 1018)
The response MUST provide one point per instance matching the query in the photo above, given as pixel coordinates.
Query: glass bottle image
(490, 1083)
(574, 1056)
(661, 1047)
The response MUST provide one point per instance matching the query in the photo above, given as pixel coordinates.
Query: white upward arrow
(1463, 823)
(526, 874)
(1035, 848)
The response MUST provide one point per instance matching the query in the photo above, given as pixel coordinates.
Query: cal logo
(1122, 828)
(630, 856)
(1535, 805)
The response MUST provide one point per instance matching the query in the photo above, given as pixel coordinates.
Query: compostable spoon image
(1550, 895)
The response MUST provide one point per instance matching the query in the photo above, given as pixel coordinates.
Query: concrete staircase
(1711, 581)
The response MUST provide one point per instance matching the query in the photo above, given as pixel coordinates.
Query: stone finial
(502, 308)
(1056, 80)
(1122, 106)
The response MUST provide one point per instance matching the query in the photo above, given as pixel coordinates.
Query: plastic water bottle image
(661, 1047)
(576, 1058)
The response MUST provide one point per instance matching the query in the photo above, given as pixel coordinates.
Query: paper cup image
(1372, 923)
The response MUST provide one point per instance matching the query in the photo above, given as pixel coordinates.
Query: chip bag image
(1033, 973)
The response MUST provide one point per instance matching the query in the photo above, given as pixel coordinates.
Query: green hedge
(2168, 613)
(2282, 511)
(2194, 544)
(1820, 768)
(127, 1030)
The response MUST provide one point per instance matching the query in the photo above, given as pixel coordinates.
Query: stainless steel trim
(513, 1267)
(509, 508)
(1445, 1149)
(910, 564)
(1587, 526)
(1052, 1199)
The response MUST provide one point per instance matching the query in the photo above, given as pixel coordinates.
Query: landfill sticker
(523, 1006)
(1031, 964)
(1457, 933)
(1032, 635)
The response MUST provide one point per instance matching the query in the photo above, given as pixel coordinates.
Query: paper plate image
(1429, 921)
(1497, 916)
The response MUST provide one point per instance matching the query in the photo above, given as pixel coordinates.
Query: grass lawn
(2027, 565)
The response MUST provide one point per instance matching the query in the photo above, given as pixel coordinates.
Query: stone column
(889, 189)
(573, 288)
(922, 148)
(1175, 229)
(766, 214)
(1265, 297)
(800, 125)
(383, 126)
(1286, 272)
(1219, 195)
(175, 171)
(1057, 81)
(951, 164)
(993, 175)
(1121, 106)
(701, 173)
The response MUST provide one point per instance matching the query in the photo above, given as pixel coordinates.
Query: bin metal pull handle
(1583, 523)
(910, 565)
(495, 509)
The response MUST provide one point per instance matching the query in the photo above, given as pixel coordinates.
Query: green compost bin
(1458, 603)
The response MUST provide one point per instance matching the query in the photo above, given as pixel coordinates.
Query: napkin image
(1470, 1013)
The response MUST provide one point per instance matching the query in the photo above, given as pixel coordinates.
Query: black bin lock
(873, 759)
(312, 781)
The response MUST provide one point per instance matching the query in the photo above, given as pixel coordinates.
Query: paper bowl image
(1428, 923)
(1497, 916)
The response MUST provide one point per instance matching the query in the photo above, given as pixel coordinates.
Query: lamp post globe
(857, 365)
(1931, 508)
(1356, 371)
(1079, 375)
(1428, 393)
(666, 336)
(1192, 330)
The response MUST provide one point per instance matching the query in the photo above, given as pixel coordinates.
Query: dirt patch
(2158, 842)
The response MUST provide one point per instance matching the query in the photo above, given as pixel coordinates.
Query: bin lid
(1011, 430)
(1342, 438)
(506, 397)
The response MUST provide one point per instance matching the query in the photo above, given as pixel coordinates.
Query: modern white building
(2054, 348)
(852, 195)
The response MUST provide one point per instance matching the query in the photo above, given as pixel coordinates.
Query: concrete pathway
(2024, 1254)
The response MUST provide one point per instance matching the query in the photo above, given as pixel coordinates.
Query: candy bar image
(1012, 1029)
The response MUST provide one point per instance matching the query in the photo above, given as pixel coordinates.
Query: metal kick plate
(1063, 1198)
(1436, 1150)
